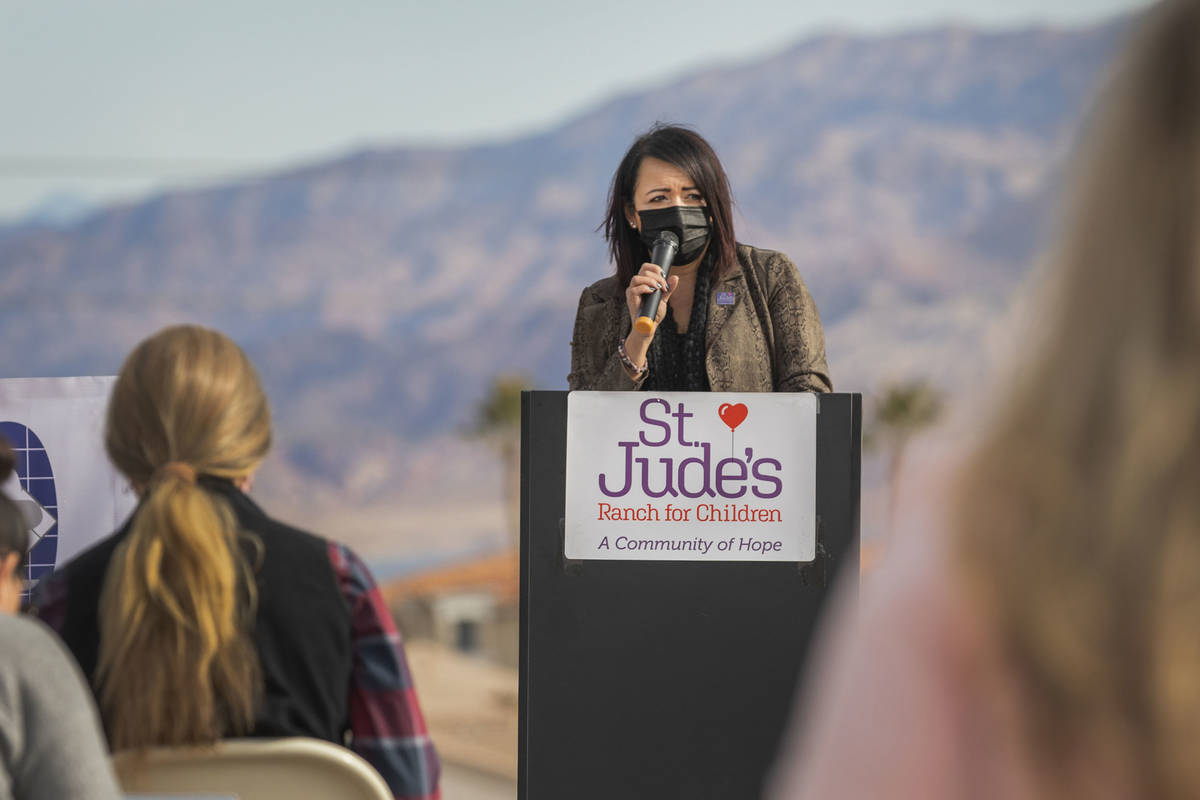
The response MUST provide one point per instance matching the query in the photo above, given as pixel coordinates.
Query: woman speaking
(732, 318)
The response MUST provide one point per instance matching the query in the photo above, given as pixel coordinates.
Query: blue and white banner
(71, 495)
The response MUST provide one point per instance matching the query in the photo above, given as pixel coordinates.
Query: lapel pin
(724, 298)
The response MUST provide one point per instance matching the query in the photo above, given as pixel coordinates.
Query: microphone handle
(663, 255)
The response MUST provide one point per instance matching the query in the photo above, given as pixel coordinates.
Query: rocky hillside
(908, 176)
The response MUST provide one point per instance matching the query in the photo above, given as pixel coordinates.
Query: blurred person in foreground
(733, 318)
(202, 617)
(1044, 640)
(50, 741)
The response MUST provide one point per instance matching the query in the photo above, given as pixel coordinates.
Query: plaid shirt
(386, 725)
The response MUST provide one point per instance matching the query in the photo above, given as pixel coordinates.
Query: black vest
(301, 631)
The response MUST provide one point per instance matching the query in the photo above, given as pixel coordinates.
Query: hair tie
(175, 469)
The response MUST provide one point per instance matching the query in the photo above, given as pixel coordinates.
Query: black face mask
(689, 223)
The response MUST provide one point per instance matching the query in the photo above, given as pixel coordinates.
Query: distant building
(470, 606)
(870, 555)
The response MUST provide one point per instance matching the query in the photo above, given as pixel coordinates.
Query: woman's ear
(8, 564)
(631, 216)
(10, 584)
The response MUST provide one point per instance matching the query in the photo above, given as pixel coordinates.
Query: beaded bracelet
(630, 367)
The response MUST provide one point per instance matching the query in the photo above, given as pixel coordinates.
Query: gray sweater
(50, 742)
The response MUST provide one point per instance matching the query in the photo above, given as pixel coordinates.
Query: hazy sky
(110, 99)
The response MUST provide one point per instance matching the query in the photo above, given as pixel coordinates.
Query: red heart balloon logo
(733, 414)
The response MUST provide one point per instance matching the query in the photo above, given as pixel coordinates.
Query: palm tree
(498, 423)
(904, 409)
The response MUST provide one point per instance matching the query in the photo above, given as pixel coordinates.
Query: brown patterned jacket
(768, 340)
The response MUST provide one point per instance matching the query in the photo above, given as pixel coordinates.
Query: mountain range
(909, 176)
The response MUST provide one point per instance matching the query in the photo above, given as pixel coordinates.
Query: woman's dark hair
(14, 534)
(687, 150)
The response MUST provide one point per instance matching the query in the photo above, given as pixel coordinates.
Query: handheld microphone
(663, 254)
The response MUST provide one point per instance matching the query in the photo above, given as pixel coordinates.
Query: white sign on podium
(691, 476)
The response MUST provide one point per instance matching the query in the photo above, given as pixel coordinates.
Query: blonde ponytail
(176, 663)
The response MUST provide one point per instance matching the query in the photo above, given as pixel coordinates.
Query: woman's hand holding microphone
(648, 279)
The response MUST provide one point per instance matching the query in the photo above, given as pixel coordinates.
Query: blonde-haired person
(1045, 641)
(203, 618)
(51, 746)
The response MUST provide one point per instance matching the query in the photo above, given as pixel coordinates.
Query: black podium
(665, 679)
